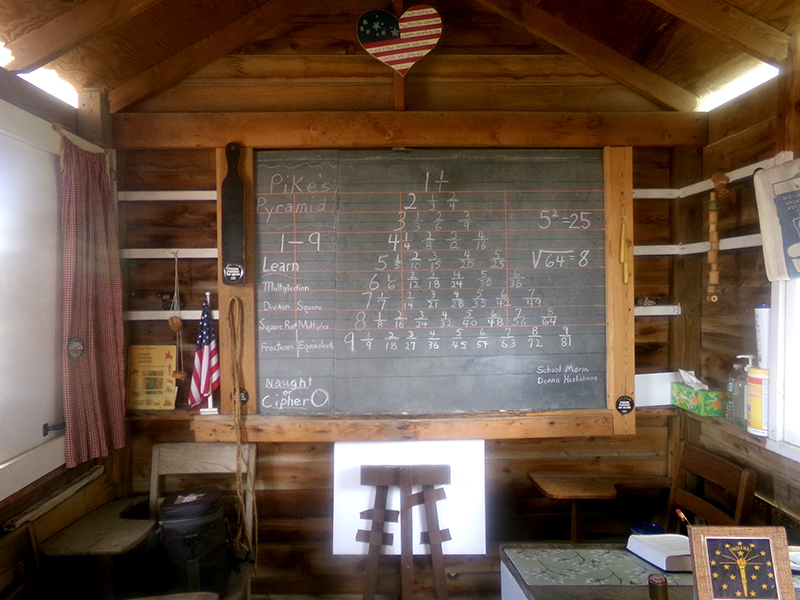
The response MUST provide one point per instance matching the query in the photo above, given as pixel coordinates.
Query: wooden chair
(181, 459)
(710, 489)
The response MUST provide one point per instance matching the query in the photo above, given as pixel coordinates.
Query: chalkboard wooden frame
(619, 307)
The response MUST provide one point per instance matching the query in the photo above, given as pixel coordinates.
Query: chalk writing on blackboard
(430, 282)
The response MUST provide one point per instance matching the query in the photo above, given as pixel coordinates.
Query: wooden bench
(577, 486)
(103, 534)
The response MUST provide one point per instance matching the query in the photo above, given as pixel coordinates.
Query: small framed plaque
(741, 562)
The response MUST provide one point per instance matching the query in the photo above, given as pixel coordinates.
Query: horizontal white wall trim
(164, 315)
(158, 253)
(659, 310)
(173, 196)
(26, 468)
(732, 243)
(707, 185)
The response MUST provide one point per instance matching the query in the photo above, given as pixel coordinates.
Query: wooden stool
(405, 477)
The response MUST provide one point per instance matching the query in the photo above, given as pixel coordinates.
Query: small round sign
(243, 396)
(233, 272)
(75, 347)
(624, 405)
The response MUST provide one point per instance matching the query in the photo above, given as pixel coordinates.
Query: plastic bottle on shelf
(758, 402)
(738, 391)
(731, 411)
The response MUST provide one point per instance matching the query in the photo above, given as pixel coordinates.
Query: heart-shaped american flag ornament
(400, 43)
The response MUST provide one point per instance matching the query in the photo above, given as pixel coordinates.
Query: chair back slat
(710, 488)
(202, 458)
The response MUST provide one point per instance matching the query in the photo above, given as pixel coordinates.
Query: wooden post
(94, 117)
(399, 80)
(620, 357)
(245, 293)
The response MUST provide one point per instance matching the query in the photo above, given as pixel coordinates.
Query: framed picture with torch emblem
(738, 563)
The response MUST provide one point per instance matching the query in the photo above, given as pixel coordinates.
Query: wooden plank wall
(778, 484)
(295, 504)
(294, 479)
(651, 273)
(739, 135)
(192, 224)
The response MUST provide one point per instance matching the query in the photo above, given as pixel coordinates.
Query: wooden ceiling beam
(731, 25)
(223, 41)
(593, 53)
(421, 129)
(60, 35)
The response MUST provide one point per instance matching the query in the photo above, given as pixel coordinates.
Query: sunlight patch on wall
(49, 81)
(45, 79)
(736, 88)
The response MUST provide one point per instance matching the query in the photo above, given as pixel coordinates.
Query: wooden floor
(297, 571)
(295, 560)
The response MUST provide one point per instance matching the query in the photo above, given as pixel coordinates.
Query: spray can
(757, 401)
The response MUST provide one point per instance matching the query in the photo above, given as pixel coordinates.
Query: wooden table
(576, 487)
(567, 571)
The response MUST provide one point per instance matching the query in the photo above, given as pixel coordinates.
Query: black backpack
(194, 536)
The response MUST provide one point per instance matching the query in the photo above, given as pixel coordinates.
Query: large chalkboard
(429, 282)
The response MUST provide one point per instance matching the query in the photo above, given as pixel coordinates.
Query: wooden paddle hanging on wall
(232, 207)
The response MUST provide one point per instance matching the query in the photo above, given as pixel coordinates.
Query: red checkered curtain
(94, 371)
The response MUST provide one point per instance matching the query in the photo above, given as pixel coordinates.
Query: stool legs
(406, 537)
(376, 538)
(435, 537)
(405, 477)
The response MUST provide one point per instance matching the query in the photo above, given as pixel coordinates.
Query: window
(784, 401)
(30, 299)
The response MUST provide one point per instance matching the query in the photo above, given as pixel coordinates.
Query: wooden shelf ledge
(327, 428)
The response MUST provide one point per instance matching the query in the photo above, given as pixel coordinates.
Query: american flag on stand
(400, 43)
(205, 378)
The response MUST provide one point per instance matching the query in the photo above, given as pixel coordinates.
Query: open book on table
(667, 551)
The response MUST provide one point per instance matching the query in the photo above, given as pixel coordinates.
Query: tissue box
(708, 403)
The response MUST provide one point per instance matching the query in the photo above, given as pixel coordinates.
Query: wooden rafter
(593, 53)
(60, 35)
(185, 62)
(732, 25)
